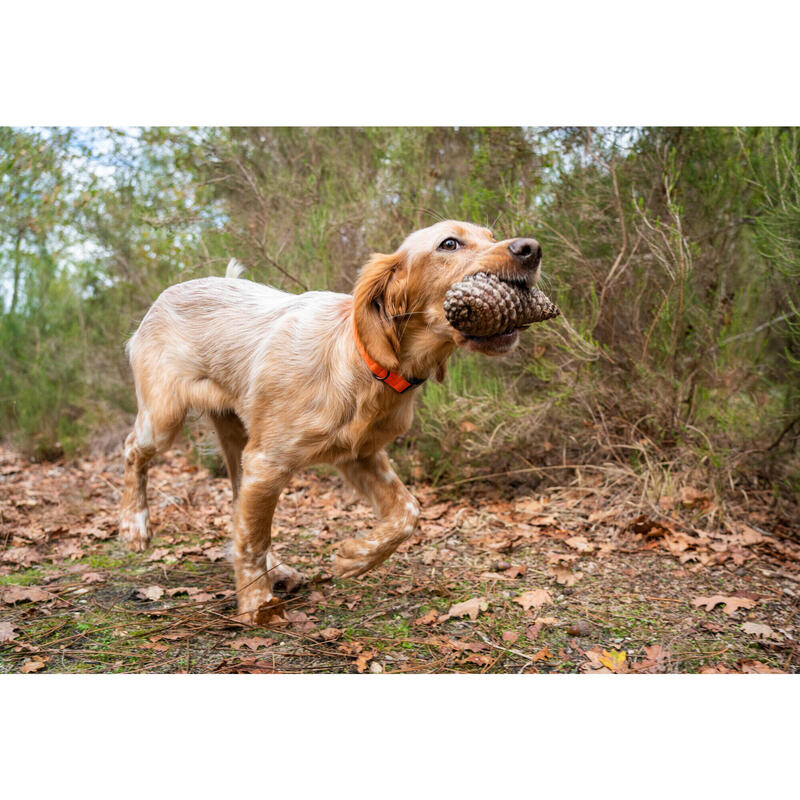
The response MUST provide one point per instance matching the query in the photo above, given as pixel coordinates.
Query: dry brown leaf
(24, 556)
(427, 619)
(34, 664)
(694, 498)
(150, 593)
(93, 577)
(330, 634)
(732, 604)
(655, 659)
(536, 598)
(251, 642)
(363, 659)
(548, 521)
(532, 631)
(316, 597)
(481, 659)
(510, 636)
(542, 654)
(7, 632)
(761, 631)
(494, 576)
(469, 608)
(515, 571)
(564, 575)
(215, 553)
(580, 543)
(530, 506)
(750, 667)
(33, 594)
(567, 558)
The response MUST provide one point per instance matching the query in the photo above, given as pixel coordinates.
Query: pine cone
(483, 305)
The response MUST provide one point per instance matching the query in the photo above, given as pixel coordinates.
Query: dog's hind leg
(394, 505)
(232, 439)
(153, 433)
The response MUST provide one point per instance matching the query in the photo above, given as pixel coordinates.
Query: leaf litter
(466, 593)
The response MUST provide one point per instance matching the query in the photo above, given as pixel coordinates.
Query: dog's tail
(235, 269)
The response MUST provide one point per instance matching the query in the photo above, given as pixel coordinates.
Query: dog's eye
(450, 244)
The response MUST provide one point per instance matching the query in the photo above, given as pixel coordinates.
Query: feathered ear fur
(379, 300)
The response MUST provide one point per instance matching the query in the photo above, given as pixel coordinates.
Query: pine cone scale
(484, 305)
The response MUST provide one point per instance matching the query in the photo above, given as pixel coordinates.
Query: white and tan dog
(294, 380)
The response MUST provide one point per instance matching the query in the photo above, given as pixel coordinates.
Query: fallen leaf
(34, 664)
(93, 577)
(536, 598)
(329, 634)
(580, 543)
(615, 660)
(564, 575)
(7, 632)
(24, 556)
(469, 608)
(719, 669)
(532, 631)
(215, 553)
(542, 654)
(750, 667)
(150, 593)
(555, 558)
(427, 619)
(316, 597)
(363, 659)
(516, 571)
(732, 604)
(464, 644)
(510, 636)
(694, 498)
(655, 659)
(530, 506)
(761, 631)
(482, 660)
(158, 554)
(251, 642)
(593, 663)
(34, 594)
(190, 590)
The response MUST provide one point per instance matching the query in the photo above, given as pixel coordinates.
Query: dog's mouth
(497, 344)
(489, 308)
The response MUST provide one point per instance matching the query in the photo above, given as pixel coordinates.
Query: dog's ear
(379, 301)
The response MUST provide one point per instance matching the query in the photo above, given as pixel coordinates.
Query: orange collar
(393, 379)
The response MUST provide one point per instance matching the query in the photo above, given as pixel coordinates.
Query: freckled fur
(282, 381)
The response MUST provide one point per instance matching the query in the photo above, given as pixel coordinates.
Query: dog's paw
(286, 578)
(257, 607)
(135, 530)
(348, 567)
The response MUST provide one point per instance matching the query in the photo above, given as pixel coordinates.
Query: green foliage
(673, 254)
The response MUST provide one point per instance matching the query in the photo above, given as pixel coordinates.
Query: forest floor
(574, 579)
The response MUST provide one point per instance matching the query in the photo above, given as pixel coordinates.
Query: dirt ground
(573, 579)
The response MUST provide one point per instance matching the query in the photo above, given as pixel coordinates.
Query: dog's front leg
(395, 506)
(262, 481)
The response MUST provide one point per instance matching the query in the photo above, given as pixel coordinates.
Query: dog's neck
(420, 355)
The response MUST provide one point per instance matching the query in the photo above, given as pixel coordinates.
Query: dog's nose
(528, 252)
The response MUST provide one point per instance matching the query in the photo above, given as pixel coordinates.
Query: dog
(294, 380)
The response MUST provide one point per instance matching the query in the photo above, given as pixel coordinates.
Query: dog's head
(399, 298)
